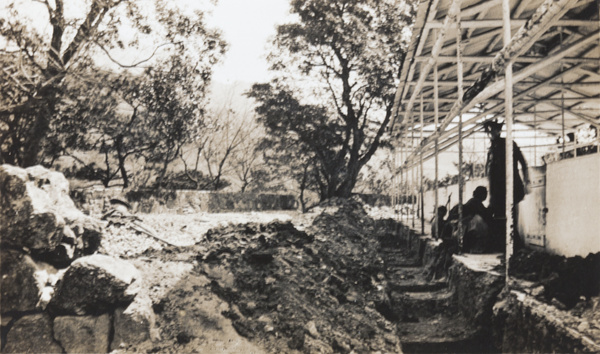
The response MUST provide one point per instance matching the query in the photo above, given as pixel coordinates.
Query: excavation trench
(343, 283)
(340, 282)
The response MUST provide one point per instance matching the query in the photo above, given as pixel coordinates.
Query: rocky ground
(260, 282)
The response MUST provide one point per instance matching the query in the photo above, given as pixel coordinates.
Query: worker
(496, 171)
(477, 220)
(438, 222)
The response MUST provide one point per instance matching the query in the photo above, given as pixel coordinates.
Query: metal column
(508, 112)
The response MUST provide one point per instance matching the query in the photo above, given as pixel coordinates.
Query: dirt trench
(336, 281)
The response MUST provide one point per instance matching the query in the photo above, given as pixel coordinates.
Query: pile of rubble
(314, 291)
(72, 283)
(57, 294)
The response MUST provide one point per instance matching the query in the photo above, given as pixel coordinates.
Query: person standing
(495, 169)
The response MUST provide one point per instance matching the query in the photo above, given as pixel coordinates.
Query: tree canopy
(51, 69)
(350, 51)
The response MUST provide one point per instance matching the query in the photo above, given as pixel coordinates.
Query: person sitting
(476, 220)
(438, 222)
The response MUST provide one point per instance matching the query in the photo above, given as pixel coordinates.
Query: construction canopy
(458, 55)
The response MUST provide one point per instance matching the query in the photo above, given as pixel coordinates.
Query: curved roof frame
(555, 55)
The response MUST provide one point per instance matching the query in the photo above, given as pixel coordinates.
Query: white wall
(573, 202)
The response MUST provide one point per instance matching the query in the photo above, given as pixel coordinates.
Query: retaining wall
(94, 201)
(526, 325)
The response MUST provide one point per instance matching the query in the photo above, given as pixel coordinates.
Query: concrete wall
(532, 209)
(573, 202)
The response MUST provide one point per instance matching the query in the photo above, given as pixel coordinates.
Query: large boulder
(83, 334)
(37, 213)
(27, 218)
(32, 334)
(94, 285)
(19, 286)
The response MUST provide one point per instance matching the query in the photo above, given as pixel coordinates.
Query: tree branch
(125, 66)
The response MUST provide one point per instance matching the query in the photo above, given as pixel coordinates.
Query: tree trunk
(106, 179)
(302, 188)
(121, 158)
(34, 140)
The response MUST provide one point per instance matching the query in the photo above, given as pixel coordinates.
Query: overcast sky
(247, 26)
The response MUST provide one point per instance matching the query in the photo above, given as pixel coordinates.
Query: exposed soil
(568, 280)
(337, 279)
(305, 283)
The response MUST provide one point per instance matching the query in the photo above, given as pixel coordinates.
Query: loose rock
(95, 284)
(134, 324)
(32, 334)
(20, 289)
(83, 334)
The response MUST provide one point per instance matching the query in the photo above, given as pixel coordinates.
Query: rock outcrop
(37, 214)
(58, 294)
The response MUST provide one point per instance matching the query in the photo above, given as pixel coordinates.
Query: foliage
(351, 50)
(299, 137)
(225, 145)
(376, 177)
(51, 87)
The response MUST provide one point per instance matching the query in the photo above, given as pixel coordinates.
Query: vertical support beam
(534, 135)
(508, 112)
(562, 98)
(401, 201)
(459, 89)
(421, 170)
(395, 181)
(436, 115)
(412, 170)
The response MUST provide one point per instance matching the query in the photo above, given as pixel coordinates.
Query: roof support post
(421, 171)
(436, 118)
(508, 110)
(401, 187)
(459, 89)
(534, 136)
(395, 183)
(413, 177)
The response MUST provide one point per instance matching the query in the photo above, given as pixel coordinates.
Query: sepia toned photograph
(299, 176)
